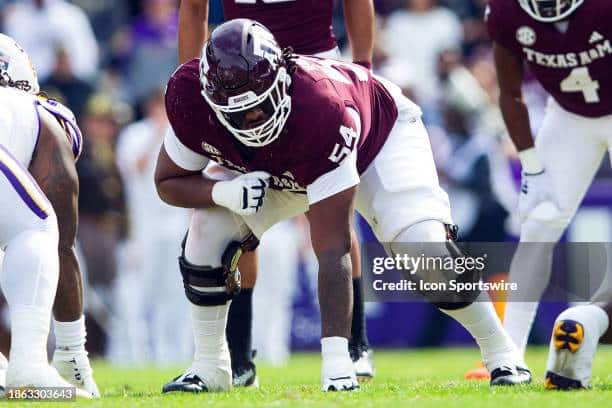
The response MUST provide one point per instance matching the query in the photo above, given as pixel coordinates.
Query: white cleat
(204, 375)
(570, 355)
(364, 365)
(338, 374)
(39, 376)
(74, 367)
(346, 382)
(507, 368)
(196, 380)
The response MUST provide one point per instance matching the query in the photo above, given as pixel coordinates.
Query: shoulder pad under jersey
(68, 121)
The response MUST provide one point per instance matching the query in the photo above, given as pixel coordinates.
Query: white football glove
(244, 194)
(537, 198)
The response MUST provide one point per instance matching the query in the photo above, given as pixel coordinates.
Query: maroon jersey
(305, 25)
(318, 135)
(575, 65)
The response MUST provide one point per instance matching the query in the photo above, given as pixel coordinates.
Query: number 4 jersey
(572, 59)
(321, 131)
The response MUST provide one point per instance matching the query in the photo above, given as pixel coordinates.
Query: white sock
(482, 322)
(29, 332)
(518, 319)
(336, 358)
(592, 317)
(209, 333)
(70, 336)
(334, 347)
(29, 280)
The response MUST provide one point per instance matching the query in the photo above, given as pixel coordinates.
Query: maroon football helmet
(242, 68)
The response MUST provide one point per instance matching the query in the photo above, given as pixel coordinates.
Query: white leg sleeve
(29, 281)
(571, 166)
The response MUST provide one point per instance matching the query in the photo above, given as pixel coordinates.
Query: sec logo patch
(525, 35)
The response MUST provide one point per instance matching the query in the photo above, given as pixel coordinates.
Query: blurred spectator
(471, 91)
(149, 330)
(74, 91)
(413, 38)
(101, 198)
(40, 26)
(106, 18)
(476, 168)
(147, 48)
(475, 206)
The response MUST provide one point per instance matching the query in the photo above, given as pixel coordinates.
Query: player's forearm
(192, 191)
(516, 118)
(510, 71)
(335, 292)
(193, 27)
(359, 21)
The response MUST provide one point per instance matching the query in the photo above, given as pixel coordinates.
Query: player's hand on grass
(243, 195)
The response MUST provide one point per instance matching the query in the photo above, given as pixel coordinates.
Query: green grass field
(427, 378)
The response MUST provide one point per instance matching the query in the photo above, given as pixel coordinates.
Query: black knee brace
(463, 299)
(215, 286)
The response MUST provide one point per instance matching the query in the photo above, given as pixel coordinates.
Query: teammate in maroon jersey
(301, 133)
(303, 25)
(567, 45)
(306, 26)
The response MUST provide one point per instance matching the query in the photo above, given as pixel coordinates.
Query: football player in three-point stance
(306, 26)
(301, 134)
(567, 45)
(54, 176)
(31, 138)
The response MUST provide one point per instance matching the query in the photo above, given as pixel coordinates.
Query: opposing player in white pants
(29, 234)
(368, 150)
(70, 356)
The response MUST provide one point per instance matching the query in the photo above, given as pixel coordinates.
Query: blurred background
(109, 60)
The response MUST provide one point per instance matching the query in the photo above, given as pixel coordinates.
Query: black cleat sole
(191, 384)
(554, 381)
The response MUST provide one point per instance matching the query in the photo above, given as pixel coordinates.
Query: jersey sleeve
(497, 28)
(339, 171)
(182, 155)
(184, 110)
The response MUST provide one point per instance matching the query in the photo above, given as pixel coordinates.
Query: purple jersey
(318, 135)
(304, 25)
(575, 65)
